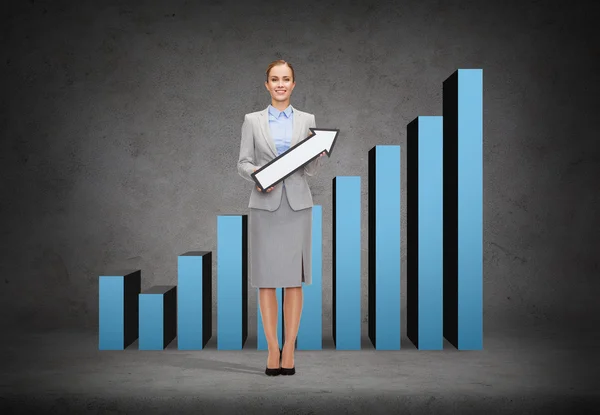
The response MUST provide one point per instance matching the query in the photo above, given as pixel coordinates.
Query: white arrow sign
(321, 139)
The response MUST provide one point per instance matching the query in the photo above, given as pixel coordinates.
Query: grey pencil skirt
(280, 246)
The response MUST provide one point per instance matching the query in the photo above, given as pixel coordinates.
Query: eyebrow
(275, 76)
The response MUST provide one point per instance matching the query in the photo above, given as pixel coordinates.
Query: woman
(281, 217)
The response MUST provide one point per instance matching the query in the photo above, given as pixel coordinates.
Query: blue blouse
(281, 123)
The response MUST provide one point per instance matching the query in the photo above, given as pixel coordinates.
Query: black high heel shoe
(274, 372)
(287, 371)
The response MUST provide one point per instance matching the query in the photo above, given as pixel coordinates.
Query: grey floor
(64, 372)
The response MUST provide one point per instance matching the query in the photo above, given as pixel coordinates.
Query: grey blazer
(258, 148)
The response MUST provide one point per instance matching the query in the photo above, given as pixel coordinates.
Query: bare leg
(268, 311)
(291, 313)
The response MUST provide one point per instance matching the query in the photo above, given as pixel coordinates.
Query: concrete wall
(121, 130)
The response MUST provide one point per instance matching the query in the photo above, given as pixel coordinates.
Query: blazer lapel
(296, 128)
(266, 130)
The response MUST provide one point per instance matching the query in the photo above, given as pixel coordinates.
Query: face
(279, 83)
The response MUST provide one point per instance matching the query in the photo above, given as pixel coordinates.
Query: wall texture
(121, 121)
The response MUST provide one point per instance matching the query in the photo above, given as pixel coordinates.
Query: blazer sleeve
(311, 168)
(246, 163)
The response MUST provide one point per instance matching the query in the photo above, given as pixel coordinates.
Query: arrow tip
(326, 138)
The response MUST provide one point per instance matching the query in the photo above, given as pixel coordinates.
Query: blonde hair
(280, 62)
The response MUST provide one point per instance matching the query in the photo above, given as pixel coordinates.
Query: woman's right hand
(268, 190)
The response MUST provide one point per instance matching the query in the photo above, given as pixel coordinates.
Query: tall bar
(158, 317)
(261, 339)
(346, 263)
(194, 300)
(232, 281)
(384, 247)
(425, 232)
(310, 332)
(118, 309)
(463, 209)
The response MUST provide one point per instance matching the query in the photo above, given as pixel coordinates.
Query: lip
(280, 90)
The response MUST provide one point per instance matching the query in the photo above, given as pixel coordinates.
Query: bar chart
(384, 247)
(463, 209)
(310, 332)
(346, 263)
(194, 300)
(118, 312)
(444, 274)
(425, 231)
(232, 281)
(158, 317)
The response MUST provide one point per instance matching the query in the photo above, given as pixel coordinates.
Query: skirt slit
(278, 240)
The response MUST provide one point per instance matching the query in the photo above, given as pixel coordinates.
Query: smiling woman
(280, 220)
(280, 83)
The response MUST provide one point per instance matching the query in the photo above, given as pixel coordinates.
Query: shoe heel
(276, 371)
(287, 371)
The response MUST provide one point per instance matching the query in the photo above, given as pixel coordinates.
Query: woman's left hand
(268, 190)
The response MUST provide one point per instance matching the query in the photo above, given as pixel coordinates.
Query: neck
(279, 105)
